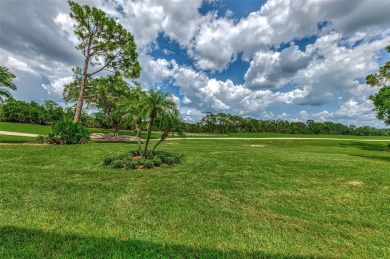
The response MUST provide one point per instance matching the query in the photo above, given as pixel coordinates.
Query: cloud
(272, 69)
(337, 73)
(16, 64)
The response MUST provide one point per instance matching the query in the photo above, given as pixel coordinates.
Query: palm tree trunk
(138, 127)
(163, 137)
(149, 133)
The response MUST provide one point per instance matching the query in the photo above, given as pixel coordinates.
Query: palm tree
(6, 78)
(135, 109)
(169, 120)
(157, 103)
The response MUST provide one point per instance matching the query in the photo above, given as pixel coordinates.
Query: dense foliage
(31, 112)
(381, 100)
(104, 93)
(66, 131)
(134, 160)
(226, 123)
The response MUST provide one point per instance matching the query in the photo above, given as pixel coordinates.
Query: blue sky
(281, 59)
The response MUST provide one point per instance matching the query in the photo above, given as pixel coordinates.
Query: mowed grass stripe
(227, 199)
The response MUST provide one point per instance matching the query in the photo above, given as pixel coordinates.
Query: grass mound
(134, 160)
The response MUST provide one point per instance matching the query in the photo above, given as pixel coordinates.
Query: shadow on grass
(19, 242)
(368, 146)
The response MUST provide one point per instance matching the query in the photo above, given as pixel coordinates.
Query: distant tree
(381, 100)
(105, 44)
(31, 112)
(54, 112)
(6, 78)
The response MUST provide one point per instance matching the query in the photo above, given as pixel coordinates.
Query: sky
(278, 59)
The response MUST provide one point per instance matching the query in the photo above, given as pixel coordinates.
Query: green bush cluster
(66, 131)
(31, 112)
(151, 160)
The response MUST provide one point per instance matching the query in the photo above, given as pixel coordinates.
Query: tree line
(223, 123)
(131, 114)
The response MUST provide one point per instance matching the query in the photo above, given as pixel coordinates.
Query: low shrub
(168, 158)
(141, 161)
(118, 164)
(157, 161)
(66, 131)
(148, 164)
(131, 160)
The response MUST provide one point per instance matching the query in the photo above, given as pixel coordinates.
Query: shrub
(148, 164)
(157, 161)
(168, 158)
(66, 131)
(108, 160)
(128, 161)
(133, 165)
(141, 161)
(118, 164)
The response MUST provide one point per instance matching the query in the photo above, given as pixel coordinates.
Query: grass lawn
(233, 199)
(40, 129)
(24, 128)
(280, 135)
(16, 139)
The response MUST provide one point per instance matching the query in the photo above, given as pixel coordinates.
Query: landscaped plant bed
(134, 160)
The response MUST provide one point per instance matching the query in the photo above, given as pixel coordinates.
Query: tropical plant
(131, 160)
(168, 121)
(6, 78)
(105, 44)
(158, 103)
(66, 131)
(135, 111)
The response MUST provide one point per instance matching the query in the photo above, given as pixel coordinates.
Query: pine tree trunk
(80, 101)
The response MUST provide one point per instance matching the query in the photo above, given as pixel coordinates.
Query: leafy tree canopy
(105, 44)
(104, 93)
(381, 100)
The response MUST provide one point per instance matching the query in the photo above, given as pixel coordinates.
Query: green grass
(280, 135)
(40, 129)
(16, 139)
(232, 199)
(24, 128)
